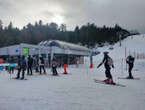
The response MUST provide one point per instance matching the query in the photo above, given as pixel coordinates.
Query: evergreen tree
(88, 34)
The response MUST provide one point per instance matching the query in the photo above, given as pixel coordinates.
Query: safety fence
(7, 65)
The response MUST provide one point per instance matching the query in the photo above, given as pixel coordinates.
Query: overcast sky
(129, 14)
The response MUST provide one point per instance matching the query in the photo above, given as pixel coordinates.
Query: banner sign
(26, 51)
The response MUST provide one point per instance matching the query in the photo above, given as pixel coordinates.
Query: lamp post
(120, 39)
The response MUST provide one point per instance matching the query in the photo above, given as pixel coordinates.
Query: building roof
(63, 45)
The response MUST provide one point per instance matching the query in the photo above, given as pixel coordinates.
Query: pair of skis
(116, 84)
(103, 82)
(137, 78)
(19, 78)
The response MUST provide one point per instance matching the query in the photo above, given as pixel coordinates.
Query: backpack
(110, 61)
(127, 60)
(130, 59)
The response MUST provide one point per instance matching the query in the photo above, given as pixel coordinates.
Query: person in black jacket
(107, 65)
(41, 65)
(29, 65)
(130, 62)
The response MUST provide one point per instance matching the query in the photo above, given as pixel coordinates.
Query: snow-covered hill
(131, 45)
(77, 91)
(134, 45)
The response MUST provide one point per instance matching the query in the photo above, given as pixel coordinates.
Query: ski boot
(112, 82)
(107, 81)
(129, 77)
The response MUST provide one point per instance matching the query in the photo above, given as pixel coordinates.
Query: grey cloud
(129, 13)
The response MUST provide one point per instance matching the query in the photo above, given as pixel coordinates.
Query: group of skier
(39, 64)
(27, 64)
(108, 63)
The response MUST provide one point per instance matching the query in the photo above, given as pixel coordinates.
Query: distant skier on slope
(108, 63)
(130, 61)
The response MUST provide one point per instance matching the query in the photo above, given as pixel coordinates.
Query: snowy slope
(132, 44)
(77, 91)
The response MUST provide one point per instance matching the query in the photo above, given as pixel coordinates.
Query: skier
(22, 66)
(42, 64)
(54, 66)
(11, 67)
(36, 63)
(108, 62)
(130, 61)
(29, 65)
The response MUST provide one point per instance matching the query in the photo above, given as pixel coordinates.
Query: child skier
(54, 66)
(108, 62)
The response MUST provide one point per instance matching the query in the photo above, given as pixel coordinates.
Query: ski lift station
(59, 51)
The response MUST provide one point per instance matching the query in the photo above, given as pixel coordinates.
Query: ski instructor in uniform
(108, 63)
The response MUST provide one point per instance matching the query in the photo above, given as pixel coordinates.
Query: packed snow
(77, 90)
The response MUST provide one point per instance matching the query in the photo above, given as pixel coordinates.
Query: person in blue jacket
(22, 67)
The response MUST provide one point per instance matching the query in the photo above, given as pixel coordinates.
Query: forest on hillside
(89, 34)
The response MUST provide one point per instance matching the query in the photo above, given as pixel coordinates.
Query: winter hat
(105, 52)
